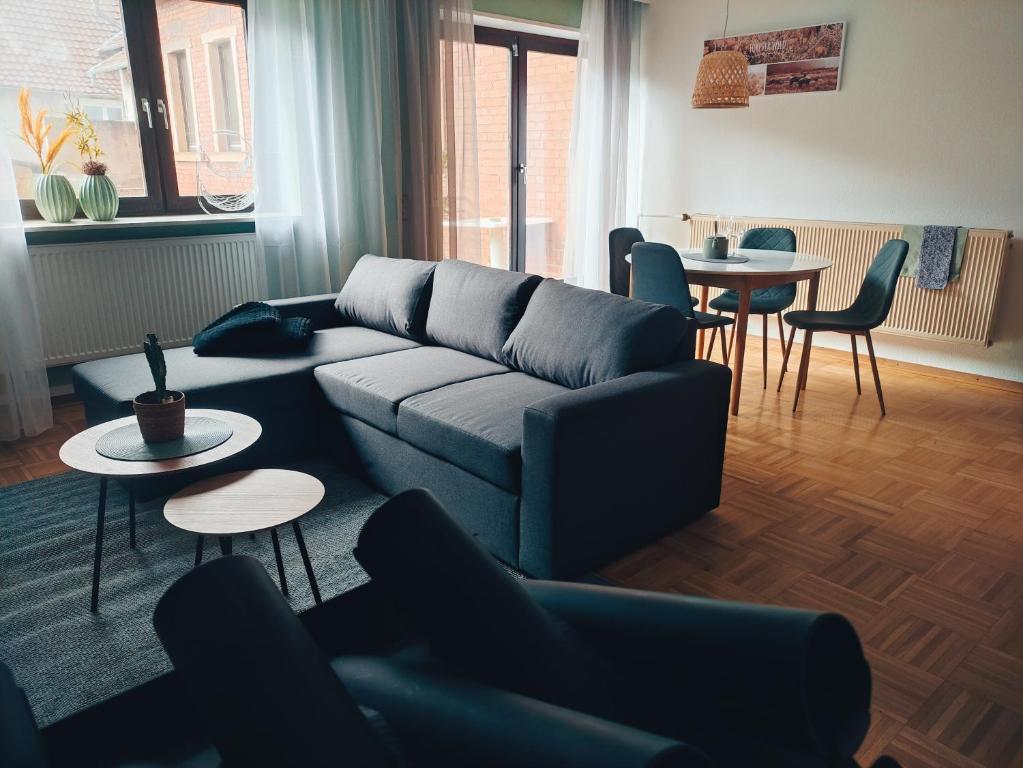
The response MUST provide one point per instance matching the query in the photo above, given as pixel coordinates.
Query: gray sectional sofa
(563, 427)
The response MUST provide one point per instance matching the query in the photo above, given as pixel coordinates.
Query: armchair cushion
(578, 337)
(474, 309)
(390, 295)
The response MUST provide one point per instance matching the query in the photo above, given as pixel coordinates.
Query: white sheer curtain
(24, 390)
(348, 103)
(599, 145)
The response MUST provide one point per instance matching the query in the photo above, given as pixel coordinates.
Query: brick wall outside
(550, 90)
(188, 21)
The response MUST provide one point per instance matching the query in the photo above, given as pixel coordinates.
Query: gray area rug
(66, 658)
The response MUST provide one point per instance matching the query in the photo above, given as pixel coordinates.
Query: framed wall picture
(799, 60)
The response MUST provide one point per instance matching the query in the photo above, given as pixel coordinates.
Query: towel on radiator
(914, 235)
(253, 327)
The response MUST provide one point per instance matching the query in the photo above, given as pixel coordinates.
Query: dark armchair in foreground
(503, 672)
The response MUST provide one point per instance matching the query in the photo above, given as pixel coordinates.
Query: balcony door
(525, 89)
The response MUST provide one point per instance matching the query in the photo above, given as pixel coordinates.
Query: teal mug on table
(715, 247)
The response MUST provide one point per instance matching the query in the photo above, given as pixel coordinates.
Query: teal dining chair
(659, 277)
(619, 246)
(868, 311)
(764, 301)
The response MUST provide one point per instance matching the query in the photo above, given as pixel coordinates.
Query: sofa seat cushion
(371, 388)
(240, 382)
(389, 295)
(579, 337)
(475, 308)
(477, 424)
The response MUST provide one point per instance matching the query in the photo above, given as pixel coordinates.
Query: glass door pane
(493, 135)
(550, 91)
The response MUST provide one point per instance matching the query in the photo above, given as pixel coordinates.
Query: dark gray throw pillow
(389, 295)
(474, 308)
(578, 337)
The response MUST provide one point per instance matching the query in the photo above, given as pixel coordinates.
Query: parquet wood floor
(911, 526)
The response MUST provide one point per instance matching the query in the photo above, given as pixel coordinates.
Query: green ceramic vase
(55, 198)
(98, 197)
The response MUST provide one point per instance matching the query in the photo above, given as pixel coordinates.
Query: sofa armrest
(319, 309)
(792, 677)
(610, 467)
(445, 720)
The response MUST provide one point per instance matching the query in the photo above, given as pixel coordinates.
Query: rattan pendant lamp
(721, 80)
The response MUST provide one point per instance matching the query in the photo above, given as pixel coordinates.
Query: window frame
(156, 143)
(211, 40)
(519, 44)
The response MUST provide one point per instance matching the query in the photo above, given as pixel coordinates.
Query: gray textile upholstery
(475, 424)
(489, 513)
(390, 295)
(320, 309)
(474, 308)
(370, 388)
(578, 337)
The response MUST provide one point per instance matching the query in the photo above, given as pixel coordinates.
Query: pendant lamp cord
(728, 3)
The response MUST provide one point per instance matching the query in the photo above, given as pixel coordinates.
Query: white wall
(926, 129)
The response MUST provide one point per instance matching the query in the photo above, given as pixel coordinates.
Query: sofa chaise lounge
(563, 427)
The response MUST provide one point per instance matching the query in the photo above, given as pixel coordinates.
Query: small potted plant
(54, 196)
(161, 413)
(97, 192)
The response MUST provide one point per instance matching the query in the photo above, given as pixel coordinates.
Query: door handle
(162, 109)
(147, 110)
(521, 168)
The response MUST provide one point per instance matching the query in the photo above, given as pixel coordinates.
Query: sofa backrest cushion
(389, 295)
(578, 337)
(474, 309)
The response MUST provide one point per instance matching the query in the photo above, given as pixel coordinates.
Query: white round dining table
(763, 270)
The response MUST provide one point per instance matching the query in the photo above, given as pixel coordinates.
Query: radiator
(100, 299)
(963, 312)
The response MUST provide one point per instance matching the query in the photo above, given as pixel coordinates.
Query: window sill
(39, 232)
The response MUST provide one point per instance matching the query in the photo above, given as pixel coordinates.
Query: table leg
(198, 550)
(741, 321)
(811, 304)
(279, 559)
(305, 561)
(131, 514)
(98, 556)
(704, 298)
(225, 545)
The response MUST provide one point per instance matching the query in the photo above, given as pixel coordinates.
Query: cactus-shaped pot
(55, 198)
(97, 193)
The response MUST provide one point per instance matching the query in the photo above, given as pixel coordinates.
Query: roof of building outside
(53, 44)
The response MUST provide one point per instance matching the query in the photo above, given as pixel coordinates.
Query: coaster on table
(736, 259)
(201, 433)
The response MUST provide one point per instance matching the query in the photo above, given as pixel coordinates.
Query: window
(164, 82)
(223, 69)
(184, 129)
(525, 87)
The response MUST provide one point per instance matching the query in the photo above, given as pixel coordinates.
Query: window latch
(149, 113)
(521, 169)
(162, 109)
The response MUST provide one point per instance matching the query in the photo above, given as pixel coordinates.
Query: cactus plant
(158, 367)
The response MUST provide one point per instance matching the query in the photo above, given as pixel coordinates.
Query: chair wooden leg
(731, 342)
(710, 347)
(804, 364)
(763, 344)
(856, 363)
(781, 335)
(873, 367)
(724, 349)
(785, 359)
